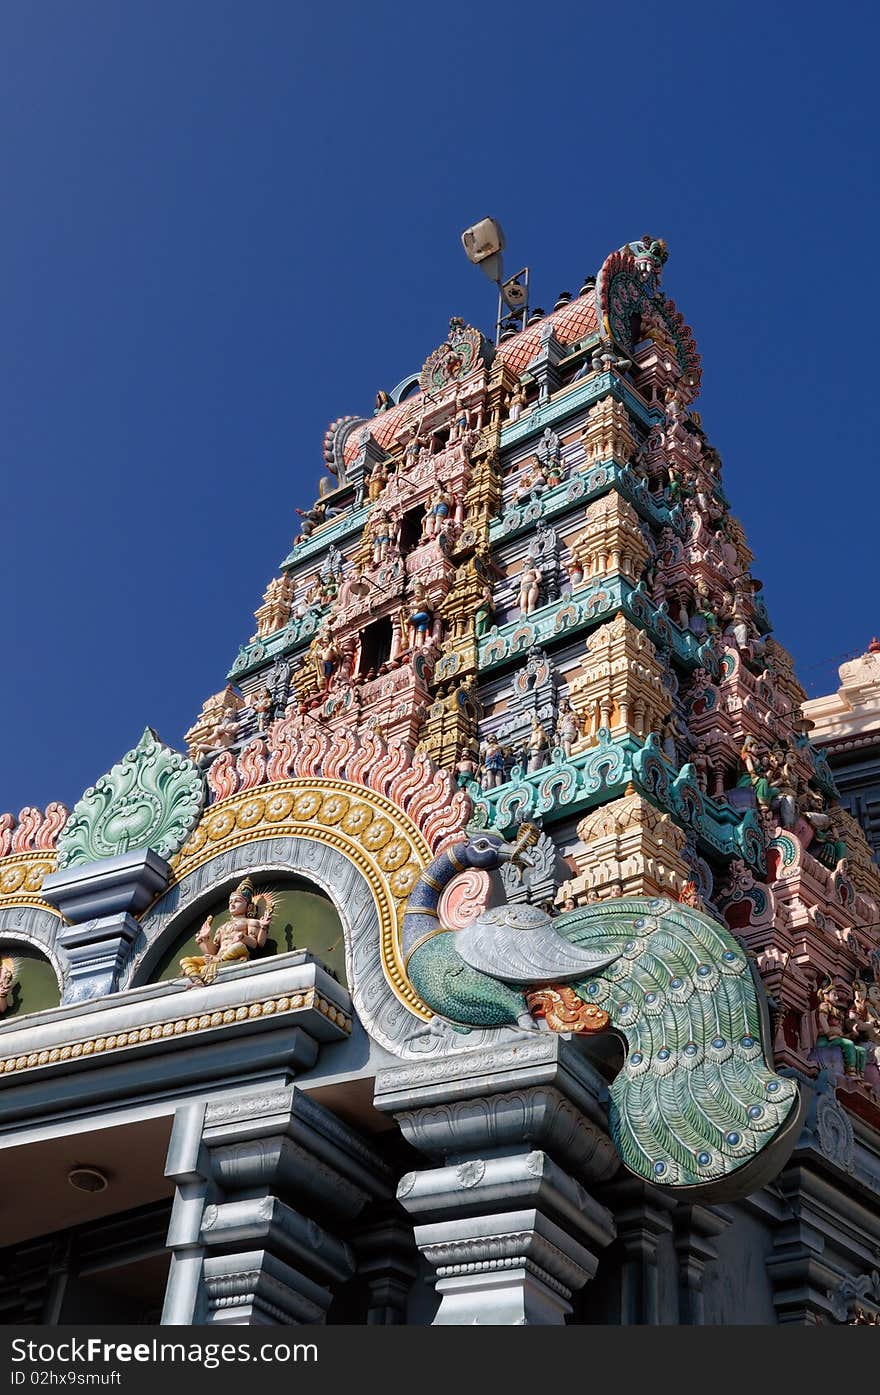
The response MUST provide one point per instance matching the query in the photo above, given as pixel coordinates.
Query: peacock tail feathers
(696, 1098)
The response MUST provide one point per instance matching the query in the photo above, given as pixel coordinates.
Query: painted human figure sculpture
(353, 588)
(538, 746)
(326, 658)
(531, 482)
(700, 761)
(485, 612)
(437, 510)
(262, 705)
(377, 481)
(466, 769)
(529, 588)
(755, 774)
(830, 1030)
(783, 778)
(420, 618)
(381, 535)
(492, 773)
(568, 727)
(703, 619)
(675, 737)
(233, 942)
(516, 403)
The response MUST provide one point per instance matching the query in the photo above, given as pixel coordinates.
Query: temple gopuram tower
(550, 961)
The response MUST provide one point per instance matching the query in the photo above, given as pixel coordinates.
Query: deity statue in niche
(411, 452)
(245, 930)
(674, 737)
(703, 620)
(529, 588)
(353, 587)
(863, 1019)
(460, 420)
(8, 980)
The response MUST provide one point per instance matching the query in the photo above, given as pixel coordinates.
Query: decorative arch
(36, 926)
(359, 847)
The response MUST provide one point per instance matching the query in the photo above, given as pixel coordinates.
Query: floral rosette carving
(151, 799)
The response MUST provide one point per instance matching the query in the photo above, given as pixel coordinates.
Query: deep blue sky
(225, 224)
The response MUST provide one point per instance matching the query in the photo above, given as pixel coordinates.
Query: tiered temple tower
(520, 606)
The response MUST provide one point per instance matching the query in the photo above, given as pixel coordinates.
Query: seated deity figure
(353, 587)
(233, 942)
(8, 979)
(529, 588)
(830, 1024)
(531, 482)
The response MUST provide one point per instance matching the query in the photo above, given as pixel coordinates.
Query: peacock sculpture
(696, 1100)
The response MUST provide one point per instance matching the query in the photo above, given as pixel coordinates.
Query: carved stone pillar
(642, 1216)
(387, 1261)
(504, 1220)
(263, 1181)
(100, 900)
(695, 1229)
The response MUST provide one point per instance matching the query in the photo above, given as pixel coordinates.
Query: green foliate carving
(151, 799)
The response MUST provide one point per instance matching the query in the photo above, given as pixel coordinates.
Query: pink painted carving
(252, 764)
(297, 747)
(466, 898)
(29, 821)
(335, 766)
(223, 776)
(7, 824)
(283, 745)
(55, 819)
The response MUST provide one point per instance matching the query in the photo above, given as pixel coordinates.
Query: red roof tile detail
(572, 322)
